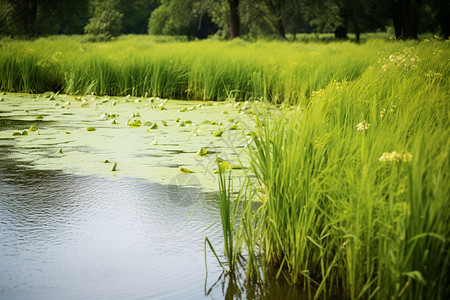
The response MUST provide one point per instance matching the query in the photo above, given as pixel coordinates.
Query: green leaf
(202, 152)
(185, 170)
(218, 133)
(91, 129)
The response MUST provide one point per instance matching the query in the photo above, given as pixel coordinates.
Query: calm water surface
(79, 237)
(67, 231)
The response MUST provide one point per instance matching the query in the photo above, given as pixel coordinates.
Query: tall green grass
(354, 182)
(278, 71)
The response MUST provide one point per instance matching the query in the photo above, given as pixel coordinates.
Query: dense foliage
(229, 18)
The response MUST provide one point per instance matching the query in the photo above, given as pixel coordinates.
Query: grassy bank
(188, 70)
(354, 183)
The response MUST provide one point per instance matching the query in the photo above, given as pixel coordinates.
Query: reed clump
(356, 183)
(213, 70)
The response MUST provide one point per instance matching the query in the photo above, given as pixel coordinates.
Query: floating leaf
(233, 127)
(207, 122)
(224, 165)
(67, 132)
(218, 159)
(24, 132)
(106, 161)
(1, 99)
(230, 120)
(178, 120)
(185, 170)
(155, 142)
(114, 166)
(60, 151)
(213, 123)
(90, 129)
(181, 124)
(16, 133)
(202, 152)
(39, 117)
(224, 112)
(134, 123)
(182, 109)
(188, 122)
(26, 110)
(164, 123)
(236, 166)
(218, 133)
(154, 126)
(33, 128)
(191, 108)
(113, 122)
(148, 123)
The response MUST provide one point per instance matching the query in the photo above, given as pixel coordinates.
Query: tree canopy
(224, 18)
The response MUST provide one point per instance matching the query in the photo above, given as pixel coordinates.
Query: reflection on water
(84, 237)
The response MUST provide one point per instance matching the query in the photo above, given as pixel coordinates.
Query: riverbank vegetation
(212, 70)
(353, 184)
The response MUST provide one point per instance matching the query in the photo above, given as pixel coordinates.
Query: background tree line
(224, 18)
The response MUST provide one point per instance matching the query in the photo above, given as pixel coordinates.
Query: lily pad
(224, 165)
(206, 122)
(24, 132)
(202, 152)
(236, 166)
(218, 133)
(185, 170)
(148, 123)
(16, 133)
(91, 129)
(33, 128)
(134, 123)
(39, 117)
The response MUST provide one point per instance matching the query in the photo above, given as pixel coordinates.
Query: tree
(106, 22)
(19, 17)
(235, 22)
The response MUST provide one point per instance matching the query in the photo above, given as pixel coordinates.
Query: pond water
(70, 228)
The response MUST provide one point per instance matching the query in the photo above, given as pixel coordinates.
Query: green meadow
(347, 190)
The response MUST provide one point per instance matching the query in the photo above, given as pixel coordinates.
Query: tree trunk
(234, 19)
(444, 17)
(340, 32)
(280, 29)
(397, 24)
(406, 19)
(355, 24)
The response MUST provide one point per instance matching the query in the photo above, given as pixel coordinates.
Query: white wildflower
(395, 157)
(364, 125)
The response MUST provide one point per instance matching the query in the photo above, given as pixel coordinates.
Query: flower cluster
(364, 125)
(396, 157)
(404, 60)
(433, 74)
